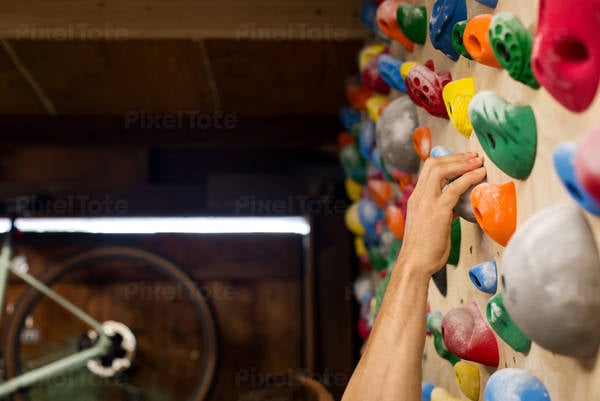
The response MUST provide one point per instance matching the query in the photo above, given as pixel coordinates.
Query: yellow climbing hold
(359, 246)
(367, 52)
(406, 67)
(353, 189)
(374, 106)
(439, 394)
(457, 96)
(467, 378)
(353, 221)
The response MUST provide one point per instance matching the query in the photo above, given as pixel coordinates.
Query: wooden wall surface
(566, 378)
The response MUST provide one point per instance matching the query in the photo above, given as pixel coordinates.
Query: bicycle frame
(63, 365)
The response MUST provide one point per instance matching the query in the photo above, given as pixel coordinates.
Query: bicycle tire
(31, 297)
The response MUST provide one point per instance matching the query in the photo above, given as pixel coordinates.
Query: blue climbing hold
(349, 117)
(389, 70)
(564, 164)
(439, 151)
(369, 214)
(515, 384)
(489, 3)
(485, 276)
(366, 139)
(426, 389)
(375, 159)
(444, 15)
(368, 13)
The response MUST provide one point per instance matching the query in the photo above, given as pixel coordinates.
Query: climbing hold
(455, 238)
(352, 220)
(349, 117)
(412, 20)
(424, 86)
(463, 207)
(444, 15)
(515, 385)
(511, 43)
(380, 191)
(467, 378)
(434, 324)
(507, 133)
(439, 151)
(426, 389)
(439, 394)
(551, 280)
(457, 96)
(386, 19)
(389, 70)
(377, 259)
(394, 135)
(563, 157)
(566, 51)
(395, 220)
(440, 279)
(369, 214)
(353, 189)
(489, 3)
(367, 53)
(368, 12)
(371, 78)
(587, 163)
(477, 40)
(485, 276)
(359, 246)
(495, 208)
(357, 95)
(458, 32)
(467, 335)
(422, 142)
(354, 165)
(366, 138)
(394, 251)
(503, 325)
(375, 105)
(406, 67)
(345, 139)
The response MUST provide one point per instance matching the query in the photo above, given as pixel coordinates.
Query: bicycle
(103, 358)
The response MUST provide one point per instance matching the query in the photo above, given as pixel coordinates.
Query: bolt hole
(572, 50)
(503, 280)
(458, 37)
(574, 191)
(475, 45)
(425, 88)
(417, 82)
(475, 280)
(492, 140)
(424, 98)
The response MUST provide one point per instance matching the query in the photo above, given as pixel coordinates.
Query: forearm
(390, 368)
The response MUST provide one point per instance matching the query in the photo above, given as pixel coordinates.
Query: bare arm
(390, 368)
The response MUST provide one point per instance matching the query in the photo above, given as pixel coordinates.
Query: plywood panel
(566, 378)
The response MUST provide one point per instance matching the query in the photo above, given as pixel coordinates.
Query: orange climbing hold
(422, 142)
(395, 220)
(495, 208)
(386, 19)
(380, 191)
(477, 41)
(345, 139)
(357, 95)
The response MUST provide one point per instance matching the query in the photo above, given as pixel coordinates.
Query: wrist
(411, 268)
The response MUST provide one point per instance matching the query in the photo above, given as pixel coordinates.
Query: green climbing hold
(393, 253)
(503, 325)
(353, 163)
(434, 324)
(507, 133)
(412, 20)
(512, 44)
(458, 32)
(455, 237)
(377, 259)
(380, 292)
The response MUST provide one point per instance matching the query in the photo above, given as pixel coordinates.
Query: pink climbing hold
(424, 87)
(468, 336)
(566, 51)
(371, 77)
(587, 162)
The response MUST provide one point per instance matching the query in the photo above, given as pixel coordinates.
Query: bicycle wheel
(169, 316)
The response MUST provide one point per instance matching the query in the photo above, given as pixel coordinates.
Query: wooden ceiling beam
(333, 20)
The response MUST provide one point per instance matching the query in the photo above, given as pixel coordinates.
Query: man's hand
(430, 209)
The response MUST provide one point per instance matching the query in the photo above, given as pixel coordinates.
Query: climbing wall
(565, 378)
(549, 273)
